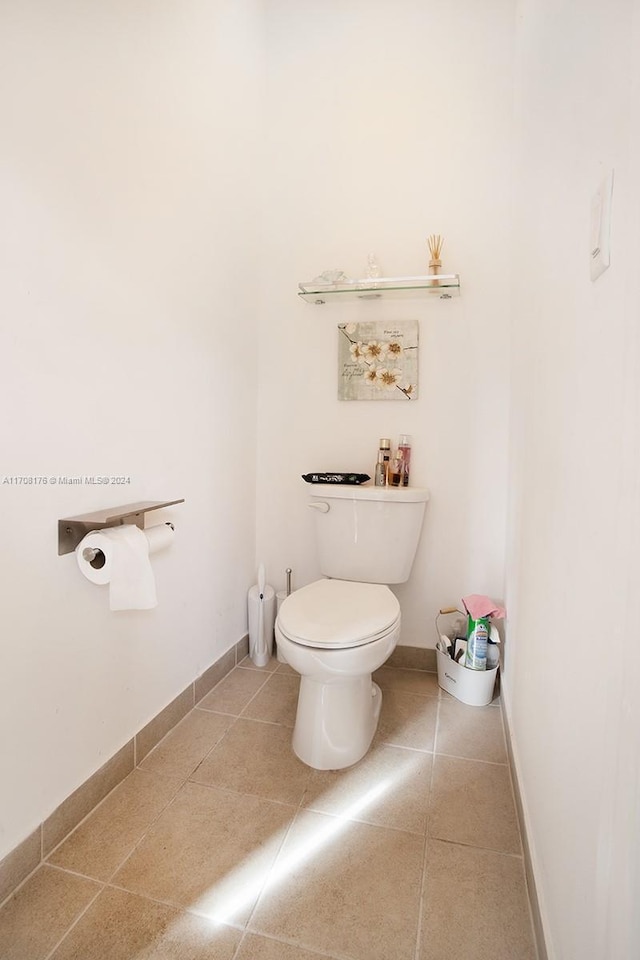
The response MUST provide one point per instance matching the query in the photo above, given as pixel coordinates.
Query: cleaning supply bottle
(477, 638)
(493, 651)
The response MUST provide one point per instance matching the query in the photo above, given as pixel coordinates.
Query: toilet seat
(338, 614)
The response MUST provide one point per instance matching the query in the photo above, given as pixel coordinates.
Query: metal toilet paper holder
(72, 530)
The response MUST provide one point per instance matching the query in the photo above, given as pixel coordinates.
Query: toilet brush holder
(261, 602)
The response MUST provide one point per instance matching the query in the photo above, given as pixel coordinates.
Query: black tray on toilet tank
(347, 478)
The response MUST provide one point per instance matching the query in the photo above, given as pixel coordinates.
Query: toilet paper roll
(119, 556)
(159, 536)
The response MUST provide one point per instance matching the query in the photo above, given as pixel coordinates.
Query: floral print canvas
(378, 360)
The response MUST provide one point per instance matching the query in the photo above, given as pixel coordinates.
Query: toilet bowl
(335, 633)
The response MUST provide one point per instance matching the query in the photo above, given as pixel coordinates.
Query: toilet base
(336, 720)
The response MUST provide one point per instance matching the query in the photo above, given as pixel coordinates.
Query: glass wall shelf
(443, 285)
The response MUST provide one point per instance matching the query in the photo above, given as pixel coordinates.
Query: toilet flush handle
(319, 505)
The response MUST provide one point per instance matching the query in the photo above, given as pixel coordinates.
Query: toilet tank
(368, 534)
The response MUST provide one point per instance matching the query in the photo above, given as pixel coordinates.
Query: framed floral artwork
(378, 360)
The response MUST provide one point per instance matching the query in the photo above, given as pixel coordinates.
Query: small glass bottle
(380, 475)
(404, 446)
(373, 267)
(396, 469)
(385, 450)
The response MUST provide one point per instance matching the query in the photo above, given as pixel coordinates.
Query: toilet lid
(338, 613)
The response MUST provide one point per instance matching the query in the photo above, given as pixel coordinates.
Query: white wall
(129, 190)
(130, 179)
(388, 122)
(574, 525)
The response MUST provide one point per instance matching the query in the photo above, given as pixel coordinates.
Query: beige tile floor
(223, 845)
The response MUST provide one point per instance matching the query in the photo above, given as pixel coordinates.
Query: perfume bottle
(380, 475)
(385, 450)
(404, 446)
(396, 469)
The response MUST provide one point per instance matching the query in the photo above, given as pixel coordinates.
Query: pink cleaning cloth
(478, 606)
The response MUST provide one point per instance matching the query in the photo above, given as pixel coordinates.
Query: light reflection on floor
(241, 889)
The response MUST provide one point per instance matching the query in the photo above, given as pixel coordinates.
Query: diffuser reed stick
(436, 243)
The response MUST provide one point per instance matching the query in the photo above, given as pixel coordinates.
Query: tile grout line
(241, 716)
(475, 846)
(100, 803)
(457, 756)
(75, 922)
(237, 793)
(270, 872)
(104, 883)
(197, 706)
(297, 810)
(423, 884)
(180, 907)
(208, 754)
(236, 717)
(31, 873)
(292, 943)
(428, 838)
(44, 858)
(259, 690)
(173, 904)
(22, 883)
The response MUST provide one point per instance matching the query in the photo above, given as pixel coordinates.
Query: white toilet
(335, 632)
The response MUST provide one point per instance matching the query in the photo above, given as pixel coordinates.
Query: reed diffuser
(436, 243)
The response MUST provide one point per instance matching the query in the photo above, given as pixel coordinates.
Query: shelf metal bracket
(72, 530)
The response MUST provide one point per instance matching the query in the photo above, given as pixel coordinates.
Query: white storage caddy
(474, 687)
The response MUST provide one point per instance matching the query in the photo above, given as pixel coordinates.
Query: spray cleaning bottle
(477, 639)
